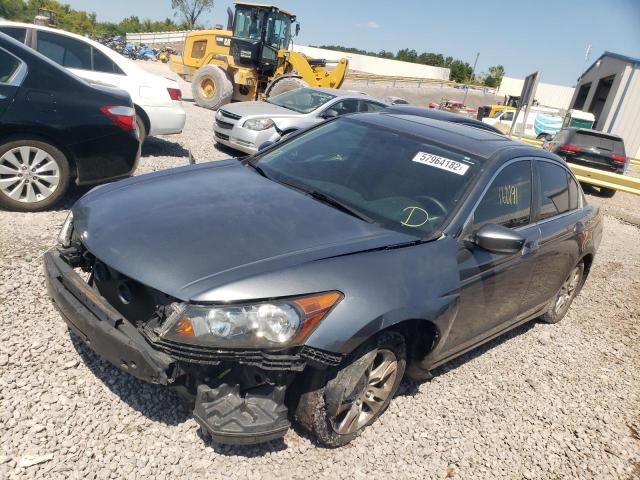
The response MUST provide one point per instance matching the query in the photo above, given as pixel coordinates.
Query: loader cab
(259, 32)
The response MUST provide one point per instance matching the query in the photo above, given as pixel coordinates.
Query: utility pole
(473, 72)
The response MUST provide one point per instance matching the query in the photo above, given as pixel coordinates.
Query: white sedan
(158, 100)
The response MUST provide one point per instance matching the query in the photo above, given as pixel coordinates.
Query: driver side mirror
(297, 29)
(498, 239)
(329, 113)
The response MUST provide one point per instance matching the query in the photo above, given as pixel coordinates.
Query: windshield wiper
(323, 197)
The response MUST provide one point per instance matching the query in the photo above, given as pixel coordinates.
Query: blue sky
(522, 35)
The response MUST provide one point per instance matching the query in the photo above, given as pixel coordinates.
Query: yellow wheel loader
(251, 59)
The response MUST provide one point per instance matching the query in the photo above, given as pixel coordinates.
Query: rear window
(199, 48)
(601, 142)
(18, 33)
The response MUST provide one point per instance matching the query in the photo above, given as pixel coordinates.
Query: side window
(346, 106)
(8, 66)
(199, 48)
(507, 202)
(554, 190)
(18, 33)
(366, 106)
(102, 63)
(507, 117)
(65, 51)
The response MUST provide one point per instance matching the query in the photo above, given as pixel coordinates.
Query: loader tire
(211, 88)
(284, 84)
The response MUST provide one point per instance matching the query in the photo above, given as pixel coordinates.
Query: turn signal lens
(315, 307)
(184, 328)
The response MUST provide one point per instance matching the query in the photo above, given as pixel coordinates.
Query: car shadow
(155, 402)
(159, 147)
(229, 151)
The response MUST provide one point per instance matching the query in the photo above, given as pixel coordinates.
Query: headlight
(258, 123)
(64, 237)
(256, 325)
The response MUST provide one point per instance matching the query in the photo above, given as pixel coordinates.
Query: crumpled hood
(259, 108)
(188, 230)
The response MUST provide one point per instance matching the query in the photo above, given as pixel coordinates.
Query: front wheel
(211, 88)
(563, 299)
(345, 400)
(34, 175)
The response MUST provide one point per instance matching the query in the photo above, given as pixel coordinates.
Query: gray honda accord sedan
(303, 283)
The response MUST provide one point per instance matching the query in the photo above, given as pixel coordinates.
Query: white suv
(157, 100)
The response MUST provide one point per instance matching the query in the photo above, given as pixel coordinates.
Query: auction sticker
(441, 162)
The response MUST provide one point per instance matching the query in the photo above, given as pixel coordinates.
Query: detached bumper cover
(101, 327)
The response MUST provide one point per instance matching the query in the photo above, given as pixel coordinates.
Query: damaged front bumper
(239, 395)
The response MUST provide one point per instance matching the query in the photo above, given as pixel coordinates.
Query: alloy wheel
(28, 174)
(374, 389)
(567, 290)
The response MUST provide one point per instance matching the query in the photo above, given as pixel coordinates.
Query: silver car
(245, 126)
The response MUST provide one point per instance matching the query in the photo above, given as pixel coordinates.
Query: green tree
(190, 10)
(434, 59)
(494, 77)
(407, 55)
(460, 71)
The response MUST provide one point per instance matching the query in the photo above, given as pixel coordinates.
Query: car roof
(339, 93)
(441, 115)
(122, 62)
(476, 142)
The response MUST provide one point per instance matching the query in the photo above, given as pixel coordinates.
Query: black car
(590, 148)
(440, 115)
(56, 128)
(305, 281)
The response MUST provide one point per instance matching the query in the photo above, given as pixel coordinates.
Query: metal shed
(610, 89)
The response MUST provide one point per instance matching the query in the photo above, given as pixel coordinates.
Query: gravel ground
(544, 401)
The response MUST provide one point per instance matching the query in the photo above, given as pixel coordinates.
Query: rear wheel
(607, 192)
(563, 299)
(284, 84)
(356, 393)
(34, 175)
(211, 88)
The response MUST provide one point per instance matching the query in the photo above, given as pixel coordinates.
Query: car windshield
(301, 100)
(395, 180)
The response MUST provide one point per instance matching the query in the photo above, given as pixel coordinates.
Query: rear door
(12, 72)
(18, 33)
(559, 217)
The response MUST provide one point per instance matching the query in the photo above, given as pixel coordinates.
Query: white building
(610, 89)
(547, 94)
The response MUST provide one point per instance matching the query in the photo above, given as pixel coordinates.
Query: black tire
(607, 192)
(318, 408)
(284, 84)
(554, 314)
(142, 129)
(63, 173)
(211, 88)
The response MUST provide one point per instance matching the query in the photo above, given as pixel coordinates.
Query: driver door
(493, 285)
